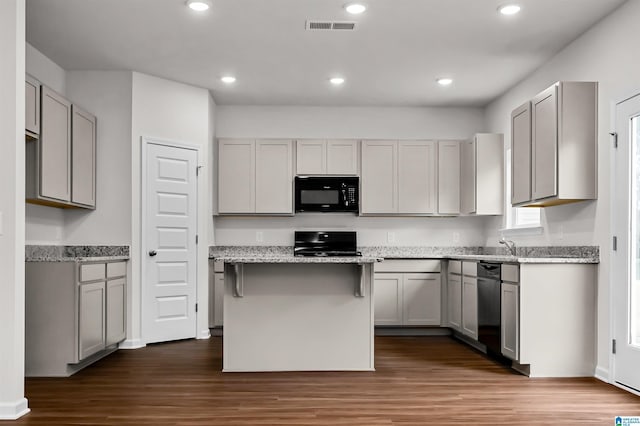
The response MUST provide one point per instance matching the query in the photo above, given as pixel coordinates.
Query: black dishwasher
(489, 307)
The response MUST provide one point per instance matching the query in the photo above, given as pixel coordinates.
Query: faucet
(510, 245)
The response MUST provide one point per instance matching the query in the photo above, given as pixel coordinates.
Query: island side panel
(298, 317)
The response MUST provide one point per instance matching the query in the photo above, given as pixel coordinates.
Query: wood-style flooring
(418, 381)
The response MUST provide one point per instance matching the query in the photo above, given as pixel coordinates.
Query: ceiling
(392, 58)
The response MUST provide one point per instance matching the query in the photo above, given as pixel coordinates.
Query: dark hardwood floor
(418, 381)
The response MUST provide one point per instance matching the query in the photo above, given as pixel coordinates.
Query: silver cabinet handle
(152, 253)
(237, 280)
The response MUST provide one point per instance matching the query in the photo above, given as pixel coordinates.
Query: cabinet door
(55, 146)
(510, 320)
(218, 297)
(489, 174)
(91, 319)
(449, 177)
(388, 299)
(32, 106)
(83, 162)
(342, 157)
(470, 307)
(416, 177)
(379, 183)
(468, 177)
(311, 157)
(274, 176)
(544, 144)
(521, 154)
(454, 301)
(421, 299)
(116, 311)
(236, 176)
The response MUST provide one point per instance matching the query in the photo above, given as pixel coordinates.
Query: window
(518, 217)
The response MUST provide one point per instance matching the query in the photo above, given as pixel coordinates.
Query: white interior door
(169, 295)
(626, 259)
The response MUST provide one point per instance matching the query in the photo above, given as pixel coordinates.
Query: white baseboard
(204, 334)
(132, 344)
(602, 374)
(14, 410)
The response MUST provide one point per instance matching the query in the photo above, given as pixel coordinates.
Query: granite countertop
(284, 254)
(50, 253)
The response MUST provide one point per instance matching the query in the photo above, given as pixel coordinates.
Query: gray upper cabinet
(327, 157)
(32, 107)
(417, 177)
(482, 171)
(61, 161)
(83, 161)
(54, 154)
(521, 154)
(449, 177)
(255, 177)
(379, 183)
(562, 149)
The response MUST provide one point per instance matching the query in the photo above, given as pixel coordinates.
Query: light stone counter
(284, 254)
(50, 253)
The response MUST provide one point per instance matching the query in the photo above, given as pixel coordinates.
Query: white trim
(204, 334)
(132, 344)
(15, 410)
(612, 271)
(145, 142)
(523, 231)
(602, 374)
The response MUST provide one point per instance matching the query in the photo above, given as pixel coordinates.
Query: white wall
(44, 225)
(607, 53)
(178, 112)
(12, 108)
(358, 123)
(107, 95)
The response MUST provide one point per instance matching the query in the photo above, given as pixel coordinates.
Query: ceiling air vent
(329, 25)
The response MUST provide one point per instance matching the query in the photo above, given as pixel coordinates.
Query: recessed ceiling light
(355, 8)
(199, 5)
(444, 81)
(509, 9)
(336, 81)
(228, 79)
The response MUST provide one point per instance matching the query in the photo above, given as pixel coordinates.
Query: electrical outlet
(561, 232)
(259, 236)
(391, 237)
(456, 237)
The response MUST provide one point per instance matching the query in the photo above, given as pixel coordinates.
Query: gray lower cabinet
(61, 160)
(470, 299)
(75, 314)
(216, 295)
(454, 295)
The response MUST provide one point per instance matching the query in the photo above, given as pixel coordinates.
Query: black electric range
(325, 243)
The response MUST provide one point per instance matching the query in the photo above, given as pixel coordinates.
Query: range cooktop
(325, 243)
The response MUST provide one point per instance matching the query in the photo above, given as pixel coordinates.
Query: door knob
(152, 252)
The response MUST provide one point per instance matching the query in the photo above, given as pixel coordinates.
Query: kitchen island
(286, 313)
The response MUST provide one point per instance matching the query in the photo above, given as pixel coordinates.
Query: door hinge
(615, 139)
(615, 243)
(196, 238)
(198, 170)
(613, 346)
(196, 307)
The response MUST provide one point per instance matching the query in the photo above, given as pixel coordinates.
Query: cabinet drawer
(408, 265)
(92, 272)
(510, 273)
(116, 269)
(218, 266)
(455, 266)
(470, 269)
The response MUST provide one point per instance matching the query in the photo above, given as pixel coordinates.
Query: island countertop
(284, 254)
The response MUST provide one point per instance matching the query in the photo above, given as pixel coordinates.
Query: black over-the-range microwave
(326, 193)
